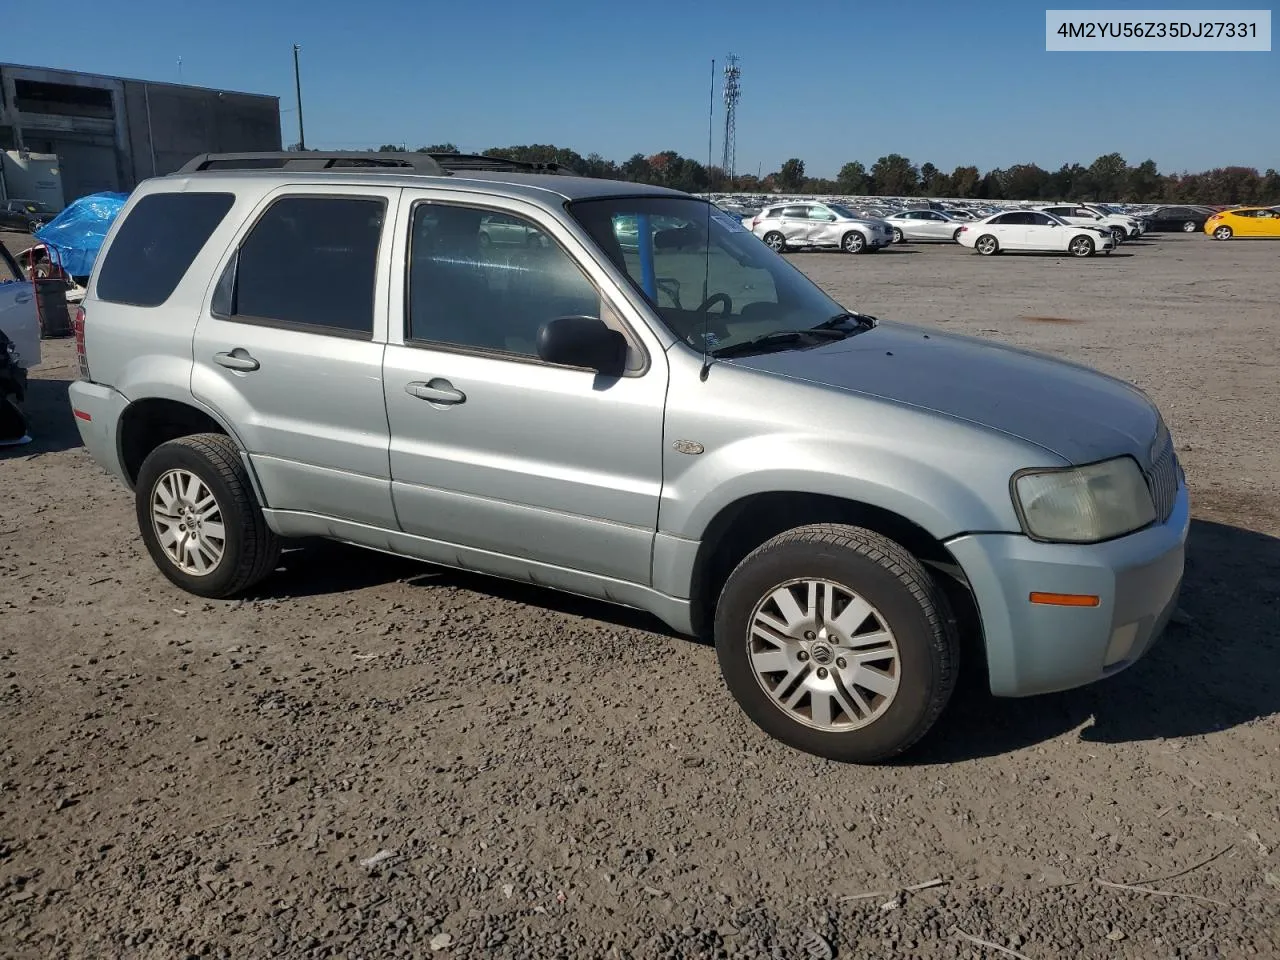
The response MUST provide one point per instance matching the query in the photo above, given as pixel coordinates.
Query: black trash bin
(51, 302)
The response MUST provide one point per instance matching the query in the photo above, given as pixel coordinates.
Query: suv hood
(1078, 413)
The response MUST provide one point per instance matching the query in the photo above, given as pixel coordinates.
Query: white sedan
(1032, 230)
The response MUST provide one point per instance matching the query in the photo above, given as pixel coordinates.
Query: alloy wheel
(188, 522)
(824, 656)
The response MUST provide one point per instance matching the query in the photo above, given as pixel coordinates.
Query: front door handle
(438, 390)
(237, 359)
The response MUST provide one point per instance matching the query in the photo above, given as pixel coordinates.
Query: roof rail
(431, 164)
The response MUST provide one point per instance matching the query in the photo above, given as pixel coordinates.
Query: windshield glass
(728, 281)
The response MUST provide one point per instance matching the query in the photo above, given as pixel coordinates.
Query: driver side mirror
(583, 342)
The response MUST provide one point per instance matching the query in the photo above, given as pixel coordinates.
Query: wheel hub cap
(824, 655)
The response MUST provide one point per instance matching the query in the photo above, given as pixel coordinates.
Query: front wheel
(837, 641)
(853, 242)
(1189, 227)
(775, 241)
(1081, 247)
(199, 518)
(1222, 233)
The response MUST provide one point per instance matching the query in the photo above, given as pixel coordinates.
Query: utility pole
(297, 83)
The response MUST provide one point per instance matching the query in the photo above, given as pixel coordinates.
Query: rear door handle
(436, 391)
(237, 359)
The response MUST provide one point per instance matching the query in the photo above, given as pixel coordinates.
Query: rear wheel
(1081, 247)
(987, 245)
(775, 241)
(199, 518)
(956, 236)
(898, 237)
(853, 242)
(1118, 235)
(1222, 233)
(838, 642)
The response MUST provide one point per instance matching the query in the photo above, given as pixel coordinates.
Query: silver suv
(855, 510)
(798, 224)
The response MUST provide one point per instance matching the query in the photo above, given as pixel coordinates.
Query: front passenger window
(488, 281)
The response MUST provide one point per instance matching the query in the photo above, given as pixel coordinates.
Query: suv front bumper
(1033, 648)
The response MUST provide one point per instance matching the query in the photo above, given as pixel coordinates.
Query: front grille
(1162, 480)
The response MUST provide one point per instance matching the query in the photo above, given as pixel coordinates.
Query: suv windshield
(725, 282)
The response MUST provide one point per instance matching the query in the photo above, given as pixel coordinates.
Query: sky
(828, 81)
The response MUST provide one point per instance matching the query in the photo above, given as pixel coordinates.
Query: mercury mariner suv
(649, 406)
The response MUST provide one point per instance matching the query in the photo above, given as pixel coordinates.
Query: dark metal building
(109, 133)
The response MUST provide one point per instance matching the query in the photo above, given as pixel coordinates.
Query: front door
(491, 448)
(289, 349)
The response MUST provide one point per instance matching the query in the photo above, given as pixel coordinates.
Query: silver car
(929, 226)
(688, 426)
(795, 225)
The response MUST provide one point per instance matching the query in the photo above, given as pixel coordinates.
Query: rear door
(289, 348)
(796, 224)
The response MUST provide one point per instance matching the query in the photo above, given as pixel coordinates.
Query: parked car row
(1081, 230)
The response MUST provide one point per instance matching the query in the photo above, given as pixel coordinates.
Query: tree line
(1109, 177)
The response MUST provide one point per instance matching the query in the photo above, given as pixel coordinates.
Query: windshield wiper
(857, 319)
(780, 340)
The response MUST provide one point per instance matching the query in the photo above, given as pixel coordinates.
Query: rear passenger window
(156, 244)
(308, 262)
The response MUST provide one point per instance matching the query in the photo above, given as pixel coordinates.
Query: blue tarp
(75, 235)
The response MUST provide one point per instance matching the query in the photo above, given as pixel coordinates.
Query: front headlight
(1084, 504)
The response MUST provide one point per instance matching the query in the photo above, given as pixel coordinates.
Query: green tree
(439, 148)
(392, 148)
(790, 177)
(992, 186)
(928, 177)
(1145, 182)
(1108, 177)
(895, 176)
(852, 178)
(1025, 181)
(964, 182)
(1269, 188)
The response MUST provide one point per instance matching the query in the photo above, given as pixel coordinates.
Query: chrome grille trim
(1162, 479)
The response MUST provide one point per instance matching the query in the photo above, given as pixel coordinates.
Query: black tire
(987, 245)
(1223, 233)
(889, 578)
(775, 241)
(853, 242)
(1081, 246)
(1190, 227)
(898, 237)
(251, 549)
(1119, 235)
(956, 236)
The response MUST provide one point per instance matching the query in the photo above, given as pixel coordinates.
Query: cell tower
(732, 94)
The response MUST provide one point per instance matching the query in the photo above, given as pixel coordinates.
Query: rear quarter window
(156, 244)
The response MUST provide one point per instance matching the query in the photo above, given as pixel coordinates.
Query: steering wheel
(712, 300)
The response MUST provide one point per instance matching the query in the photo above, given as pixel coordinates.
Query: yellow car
(1244, 222)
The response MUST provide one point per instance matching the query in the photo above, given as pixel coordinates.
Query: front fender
(944, 492)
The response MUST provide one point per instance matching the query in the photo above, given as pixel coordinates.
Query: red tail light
(755, 222)
(82, 359)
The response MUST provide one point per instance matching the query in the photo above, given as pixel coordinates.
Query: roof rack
(430, 164)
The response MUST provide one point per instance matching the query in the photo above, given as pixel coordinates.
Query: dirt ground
(539, 776)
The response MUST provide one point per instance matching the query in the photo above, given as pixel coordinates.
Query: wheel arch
(746, 523)
(148, 422)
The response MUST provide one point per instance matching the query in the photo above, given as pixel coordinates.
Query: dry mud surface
(539, 776)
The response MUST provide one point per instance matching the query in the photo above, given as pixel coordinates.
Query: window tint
(309, 261)
(796, 213)
(1040, 219)
(491, 294)
(156, 244)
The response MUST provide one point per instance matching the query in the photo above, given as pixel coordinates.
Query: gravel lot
(556, 778)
